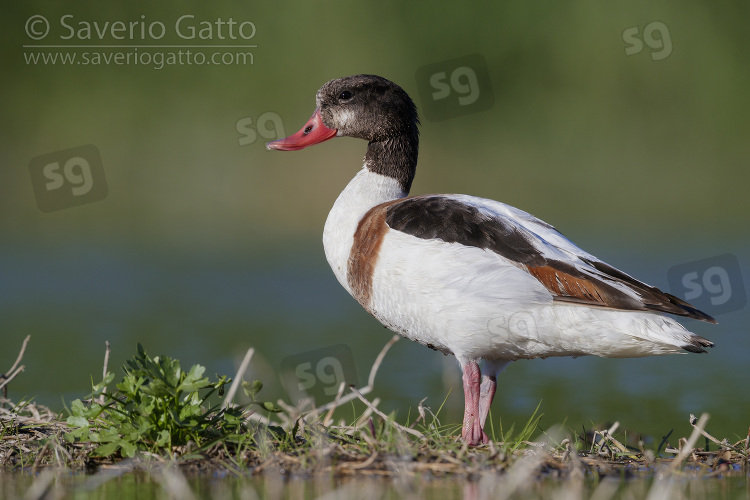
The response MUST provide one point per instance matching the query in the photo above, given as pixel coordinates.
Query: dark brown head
(366, 107)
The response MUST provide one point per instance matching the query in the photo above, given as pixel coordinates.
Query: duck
(468, 276)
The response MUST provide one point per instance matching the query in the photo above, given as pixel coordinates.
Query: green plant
(513, 442)
(157, 407)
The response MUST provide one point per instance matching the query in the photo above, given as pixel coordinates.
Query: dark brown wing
(569, 273)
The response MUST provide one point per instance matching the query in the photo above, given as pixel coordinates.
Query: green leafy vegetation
(159, 406)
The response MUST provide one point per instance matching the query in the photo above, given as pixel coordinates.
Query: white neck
(364, 191)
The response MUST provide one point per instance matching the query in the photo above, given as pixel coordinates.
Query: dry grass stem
(15, 369)
(238, 378)
(105, 369)
(384, 416)
(689, 446)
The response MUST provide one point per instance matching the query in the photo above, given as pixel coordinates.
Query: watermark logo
(713, 285)
(268, 126)
(655, 35)
(185, 27)
(68, 178)
(520, 326)
(186, 40)
(37, 27)
(318, 374)
(455, 87)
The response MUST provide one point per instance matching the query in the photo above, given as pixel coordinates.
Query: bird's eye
(345, 95)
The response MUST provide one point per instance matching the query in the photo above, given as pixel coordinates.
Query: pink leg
(486, 394)
(472, 431)
(492, 369)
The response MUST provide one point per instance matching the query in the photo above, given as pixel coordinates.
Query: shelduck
(468, 276)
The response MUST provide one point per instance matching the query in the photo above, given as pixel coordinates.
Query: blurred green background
(207, 244)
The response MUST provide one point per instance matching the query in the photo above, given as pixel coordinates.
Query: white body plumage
(478, 304)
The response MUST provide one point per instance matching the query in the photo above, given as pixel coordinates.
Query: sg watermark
(267, 125)
(455, 87)
(318, 374)
(655, 35)
(186, 40)
(519, 326)
(68, 178)
(713, 285)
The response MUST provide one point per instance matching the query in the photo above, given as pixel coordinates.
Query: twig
(690, 444)
(7, 378)
(365, 417)
(379, 359)
(384, 416)
(236, 382)
(370, 381)
(10, 374)
(421, 412)
(608, 435)
(338, 401)
(708, 436)
(614, 428)
(20, 354)
(361, 465)
(104, 370)
(663, 441)
(329, 415)
(106, 359)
